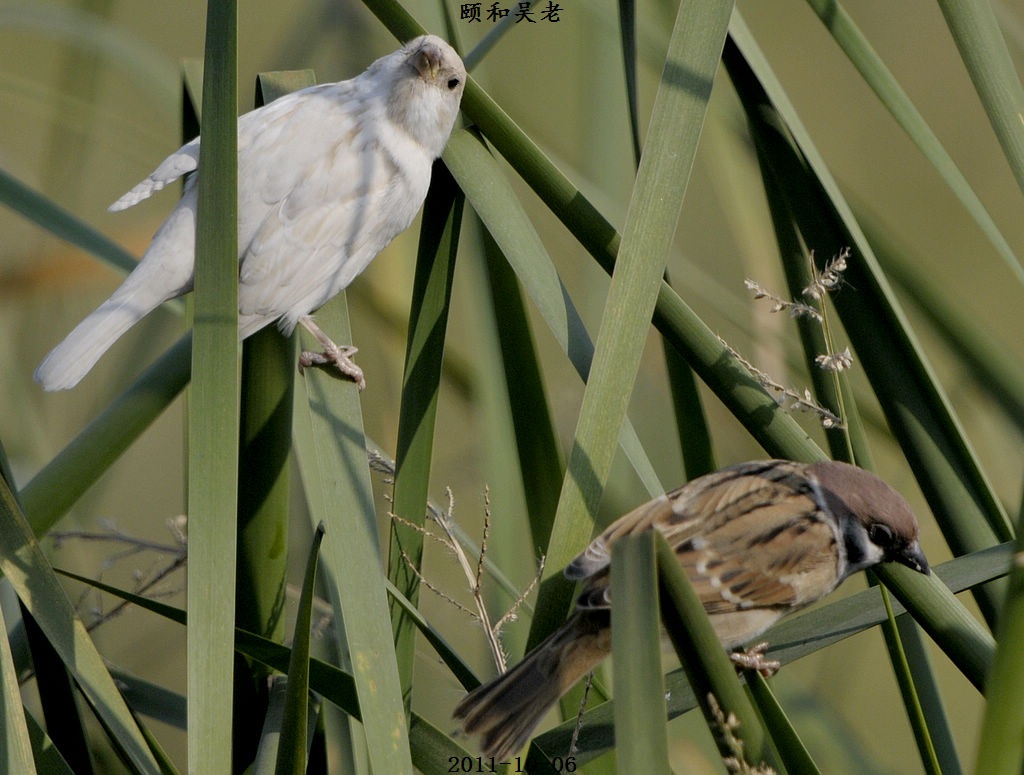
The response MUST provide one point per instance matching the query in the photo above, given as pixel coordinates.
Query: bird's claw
(340, 358)
(754, 659)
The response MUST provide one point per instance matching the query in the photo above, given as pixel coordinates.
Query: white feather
(179, 163)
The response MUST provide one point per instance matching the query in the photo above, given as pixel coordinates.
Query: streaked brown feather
(743, 535)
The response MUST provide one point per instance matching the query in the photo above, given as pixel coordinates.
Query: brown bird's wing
(750, 536)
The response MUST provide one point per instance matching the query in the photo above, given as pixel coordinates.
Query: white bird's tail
(164, 272)
(72, 359)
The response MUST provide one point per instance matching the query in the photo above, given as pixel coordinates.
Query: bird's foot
(339, 357)
(754, 659)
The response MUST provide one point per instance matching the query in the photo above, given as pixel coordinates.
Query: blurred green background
(91, 94)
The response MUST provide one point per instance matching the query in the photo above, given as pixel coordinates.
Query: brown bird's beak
(912, 556)
(428, 61)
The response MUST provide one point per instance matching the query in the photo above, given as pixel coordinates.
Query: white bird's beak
(428, 61)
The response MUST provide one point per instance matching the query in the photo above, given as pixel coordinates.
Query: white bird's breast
(324, 185)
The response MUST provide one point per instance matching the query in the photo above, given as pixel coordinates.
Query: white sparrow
(757, 540)
(327, 177)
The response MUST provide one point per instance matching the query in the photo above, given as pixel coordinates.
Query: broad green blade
(292, 747)
(636, 652)
(1001, 748)
(977, 35)
(65, 724)
(710, 671)
(336, 478)
(428, 323)
(434, 752)
(788, 745)
(688, 409)
(16, 751)
(627, 31)
(214, 410)
(265, 442)
(540, 456)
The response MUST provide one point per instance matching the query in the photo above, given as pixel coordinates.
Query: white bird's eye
(453, 82)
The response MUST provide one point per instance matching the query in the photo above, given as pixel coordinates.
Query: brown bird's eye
(881, 535)
(453, 82)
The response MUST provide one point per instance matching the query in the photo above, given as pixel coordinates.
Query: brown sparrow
(758, 541)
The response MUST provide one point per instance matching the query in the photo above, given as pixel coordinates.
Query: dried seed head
(835, 361)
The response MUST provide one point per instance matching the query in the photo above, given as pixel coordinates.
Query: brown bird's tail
(506, 710)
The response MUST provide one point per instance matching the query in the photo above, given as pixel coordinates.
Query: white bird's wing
(280, 143)
(181, 162)
(258, 131)
(326, 211)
